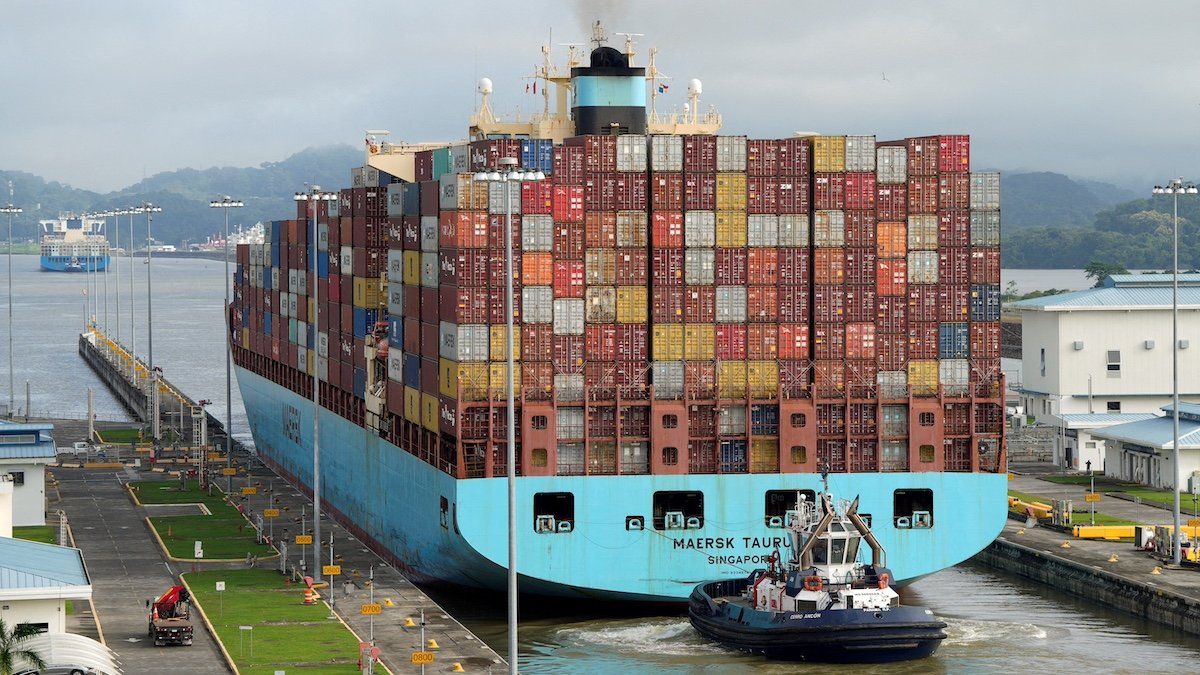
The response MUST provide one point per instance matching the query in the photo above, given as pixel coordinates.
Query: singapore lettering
(706, 544)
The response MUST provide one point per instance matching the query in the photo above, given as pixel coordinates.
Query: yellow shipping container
(923, 377)
(631, 304)
(412, 268)
(366, 292)
(448, 377)
(764, 455)
(668, 342)
(245, 338)
(762, 378)
(731, 379)
(499, 345)
(312, 310)
(429, 412)
(473, 381)
(412, 405)
(699, 341)
(829, 153)
(498, 380)
(731, 229)
(731, 192)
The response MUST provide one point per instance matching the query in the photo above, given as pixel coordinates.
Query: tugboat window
(779, 502)
(678, 510)
(913, 509)
(837, 551)
(553, 512)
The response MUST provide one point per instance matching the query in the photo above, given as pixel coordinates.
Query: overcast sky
(98, 94)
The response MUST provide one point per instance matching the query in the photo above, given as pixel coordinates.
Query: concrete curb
(208, 626)
(166, 552)
(332, 611)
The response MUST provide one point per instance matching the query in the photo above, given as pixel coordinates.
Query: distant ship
(73, 243)
(216, 242)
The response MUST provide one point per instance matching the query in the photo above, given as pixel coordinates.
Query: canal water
(997, 622)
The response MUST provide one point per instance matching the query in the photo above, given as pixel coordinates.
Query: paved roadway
(126, 568)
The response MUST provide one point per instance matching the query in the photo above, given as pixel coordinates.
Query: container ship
(704, 323)
(73, 243)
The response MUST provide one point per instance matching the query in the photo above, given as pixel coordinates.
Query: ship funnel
(610, 96)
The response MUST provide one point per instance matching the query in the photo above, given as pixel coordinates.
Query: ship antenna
(598, 36)
(825, 475)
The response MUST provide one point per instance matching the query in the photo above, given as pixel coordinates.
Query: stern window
(913, 509)
(779, 502)
(553, 512)
(678, 510)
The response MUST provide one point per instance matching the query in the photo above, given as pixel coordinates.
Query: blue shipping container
(733, 457)
(410, 199)
(985, 302)
(360, 322)
(538, 153)
(371, 316)
(323, 265)
(412, 371)
(276, 230)
(266, 279)
(266, 323)
(360, 382)
(952, 341)
(764, 419)
(275, 254)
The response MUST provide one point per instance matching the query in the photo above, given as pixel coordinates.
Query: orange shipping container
(860, 340)
(537, 269)
(793, 341)
(891, 276)
(762, 266)
(829, 265)
(891, 241)
(600, 229)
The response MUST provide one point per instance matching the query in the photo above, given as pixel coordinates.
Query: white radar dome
(695, 87)
(485, 85)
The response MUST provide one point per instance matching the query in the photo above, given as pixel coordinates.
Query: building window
(1114, 406)
(925, 419)
(553, 512)
(678, 510)
(18, 478)
(913, 508)
(1043, 361)
(1114, 361)
(779, 502)
(539, 422)
(670, 421)
(799, 419)
(799, 454)
(670, 456)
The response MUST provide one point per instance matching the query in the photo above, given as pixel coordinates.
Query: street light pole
(150, 210)
(1175, 188)
(11, 211)
(132, 297)
(117, 282)
(225, 204)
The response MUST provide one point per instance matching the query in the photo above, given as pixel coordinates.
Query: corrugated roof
(37, 451)
(1105, 418)
(31, 564)
(42, 448)
(1154, 433)
(1149, 279)
(1123, 291)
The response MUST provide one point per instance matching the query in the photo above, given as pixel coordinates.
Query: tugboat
(823, 605)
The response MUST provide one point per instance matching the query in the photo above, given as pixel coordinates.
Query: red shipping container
(568, 240)
(496, 226)
(568, 165)
(700, 154)
(954, 191)
(954, 153)
(860, 265)
(793, 304)
(985, 265)
(860, 340)
(429, 346)
(600, 342)
(430, 192)
(600, 378)
(537, 342)
(923, 156)
(538, 196)
(412, 300)
(667, 264)
(497, 310)
(633, 343)
(632, 266)
(891, 314)
(462, 229)
(666, 304)
(568, 354)
(600, 191)
(922, 194)
(793, 194)
(568, 279)
(730, 266)
(860, 228)
(699, 304)
(829, 303)
(423, 165)
(633, 381)
(537, 383)
(762, 157)
(667, 229)
(830, 190)
(762, 194)
(700, 379)
(567, 203)
(498, 269)
(954, 228)
(430, 307)
(793, 265)
(795, 156)
(762, 304)
(429, 375)
(860, 303)
(600, 229)
(891, 276)
(463, 305)
(463, 267)
(793, 341)
(731, 342)
(922, 303)
(829, 341)
(861, 378)
(860, 190)
(892, 350)
(795, 378)
(954, 266)
(762, 266)
(487, 154)
(762, 341)
(985, 340)
(923, 340)
(631, 190)
(666, 191)
(699, 191)
(891, 202)
(953, 302)
(829, 265)
(600, 152)
(335, 288)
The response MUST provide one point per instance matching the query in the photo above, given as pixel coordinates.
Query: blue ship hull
(61, 263)
(439, 528)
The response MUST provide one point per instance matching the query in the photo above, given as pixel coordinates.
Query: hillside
(1045, 199)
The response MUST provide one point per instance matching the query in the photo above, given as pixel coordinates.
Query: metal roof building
(25, 450)
(1144, 449)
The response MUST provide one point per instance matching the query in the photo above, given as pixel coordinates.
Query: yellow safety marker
(1065, 544)
(387, 602)
(433, 644)
(457, 668)
(409, 623)
(1112, 558)
(1156, 570)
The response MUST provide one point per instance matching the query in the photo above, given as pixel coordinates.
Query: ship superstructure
(74, 243)
(702, 321)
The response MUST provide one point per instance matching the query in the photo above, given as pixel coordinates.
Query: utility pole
(150, 210)
(225, 204)
(11, 211)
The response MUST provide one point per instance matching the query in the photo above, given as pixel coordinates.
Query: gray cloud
(95, 94)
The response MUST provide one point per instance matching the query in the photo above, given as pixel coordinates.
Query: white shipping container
(429, 233)
(793, 229)
(731, 153)
(448, 197)
(631, 228)
(762, 229)
(395, 199)
(293, 305)
(923, 267)
(274, 273)
(668, 379)
(429, 270)
(985, 190)
(631, 152)
(923, 232)
(829, 228)
(302, 359)
(323, 344)
(322, 368)
(302, 334)
(466, 342)
(333, 206)
(568, 387)
(395, 365)
(301, 287)
(600, 304)
(346, 259)
(666, 152)
(985, 228)
(860, 153)
(496, 201)
(893, 383)
(395, 265)
(537, 304)
(891, 165)
(322, 237)
(568, 316)
(700, 228)
(954, 375)
(569, 424)
(731, 304)
(395, 298)
(635, 457)
(732, 420)
(537, 232)
(460, 158)
(699, 266)
(600, 266)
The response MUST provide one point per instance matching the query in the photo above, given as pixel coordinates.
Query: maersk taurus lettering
(291, 423)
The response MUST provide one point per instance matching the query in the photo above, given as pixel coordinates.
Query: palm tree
(11, 650)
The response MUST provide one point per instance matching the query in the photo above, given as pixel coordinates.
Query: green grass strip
(42, 533)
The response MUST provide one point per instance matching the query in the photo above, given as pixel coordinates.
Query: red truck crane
(169, 620)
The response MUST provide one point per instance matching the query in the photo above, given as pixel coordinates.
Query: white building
(1143, 452)
(25, 450)
(1106, 351)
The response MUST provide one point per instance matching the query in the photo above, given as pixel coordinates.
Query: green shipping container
(441, 162)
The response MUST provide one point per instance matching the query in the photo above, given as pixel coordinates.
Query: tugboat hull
(830, 636)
